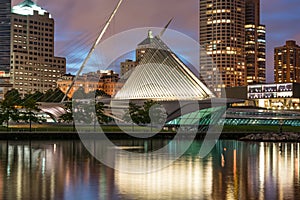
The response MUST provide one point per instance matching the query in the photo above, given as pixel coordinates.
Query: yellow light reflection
(184, 179)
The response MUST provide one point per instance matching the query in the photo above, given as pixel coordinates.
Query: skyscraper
(222, 36)
(231, 33)
(255, 46)
(287, 63)
(33, 64)
(5, 17)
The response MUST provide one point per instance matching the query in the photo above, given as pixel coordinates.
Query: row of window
(33, 22)
(36, 85)
(33, 32)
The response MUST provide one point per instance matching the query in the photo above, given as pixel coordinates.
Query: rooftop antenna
(166, 27)
(93, 48)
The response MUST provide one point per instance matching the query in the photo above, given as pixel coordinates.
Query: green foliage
(101, 93)
(134, 114)
(12, 98)
(68, 116)
(80, 94)
(8, 107)
(102, 118)
(52, 96)
(150, 113)
(16, 109)
(30, 109)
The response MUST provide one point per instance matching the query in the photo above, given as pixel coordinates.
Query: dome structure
(28, 7)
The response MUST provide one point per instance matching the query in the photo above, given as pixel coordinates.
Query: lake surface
(233, 170)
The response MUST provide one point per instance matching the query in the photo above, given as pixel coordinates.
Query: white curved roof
(162, 76)
(27, 7)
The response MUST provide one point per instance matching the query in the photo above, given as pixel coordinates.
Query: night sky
(78, 22)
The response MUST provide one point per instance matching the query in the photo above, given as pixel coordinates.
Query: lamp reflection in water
(186, 179)
(64, 170)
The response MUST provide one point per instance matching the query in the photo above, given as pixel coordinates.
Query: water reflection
(52, 170)
(233, 170)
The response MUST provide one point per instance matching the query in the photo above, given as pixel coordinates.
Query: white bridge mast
(93, 47)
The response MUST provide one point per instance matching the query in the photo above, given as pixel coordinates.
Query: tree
(134, 114)
(37, 96)
(52, 96)
(68, 115)
(153, 113)
(101, 93)
(9, 107)
(80, 94)
(149, 113)
(102, 118)
(31, 108)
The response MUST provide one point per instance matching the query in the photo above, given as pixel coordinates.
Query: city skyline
(277, 17)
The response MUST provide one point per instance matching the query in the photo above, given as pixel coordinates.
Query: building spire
(150, 34)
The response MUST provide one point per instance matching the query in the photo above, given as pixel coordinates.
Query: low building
(282, 96)
(105, 80)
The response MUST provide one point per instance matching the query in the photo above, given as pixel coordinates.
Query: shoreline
(256, 137)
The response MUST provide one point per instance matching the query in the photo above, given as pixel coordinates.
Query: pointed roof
(27, 7)
(162, 76)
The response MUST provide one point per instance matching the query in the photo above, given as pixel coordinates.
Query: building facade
(127, 66)
(222, 37)
(231, 35)
(140, 51)
(34, 67)
(5, 18)
(287, 63)
(105, 80)
(255, 45)
(275, 96)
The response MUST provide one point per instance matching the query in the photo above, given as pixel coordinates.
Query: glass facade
(5, 18)
(235, 116)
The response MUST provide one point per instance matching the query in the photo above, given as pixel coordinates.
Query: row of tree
(18, 109)
(15, 108)
(149, 113)
(26, 109)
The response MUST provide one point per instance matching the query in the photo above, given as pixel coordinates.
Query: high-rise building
(5, 17)
(222, 36)
(33, 64)
(287, 63)
(255, 46)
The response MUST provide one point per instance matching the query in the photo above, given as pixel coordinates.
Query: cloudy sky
(78, 22)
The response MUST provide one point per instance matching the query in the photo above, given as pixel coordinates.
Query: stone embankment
(276, 137)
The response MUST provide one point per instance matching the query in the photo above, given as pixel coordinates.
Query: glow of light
(261, 170)
(297, 161)
(222, 160)
(43, 165)
(162, 183)
(28, 10)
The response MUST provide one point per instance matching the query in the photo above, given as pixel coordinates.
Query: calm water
(233, 170)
